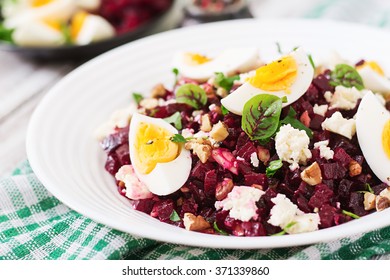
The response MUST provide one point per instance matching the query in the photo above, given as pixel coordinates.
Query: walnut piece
(263, 154)
(205, 123)
(222, 92)
(219, 132)
(158, 91)
(223, 188)
(149, 103)
(383, 200)
(195, 223)
(201, 147)
(312, 174)
(369, 201)
(354, 168)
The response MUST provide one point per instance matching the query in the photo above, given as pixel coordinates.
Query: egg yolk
(194, 59)
(77, 23)
(152, 145)
(276, 76)
(386, 138)
(56, 25)
(374, 66)
(40, 3)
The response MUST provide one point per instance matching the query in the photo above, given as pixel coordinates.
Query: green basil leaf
(260, 116)
(347, 76)
(178, 138)
(6, 34)
(224, 110)
(352, 215)
(174, 217)
(225, 82)
(192, 95)
(274, 166)
(290, 119)
(220, 231)
(137, 97)
(175, 119)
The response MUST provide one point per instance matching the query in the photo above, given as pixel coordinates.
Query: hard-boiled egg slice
(87, 28)
(374, 77)
(373, 132)
(38, 33)
(89, 5)
(200, 68)
(162, 165)
(289, 76)
(39, 10)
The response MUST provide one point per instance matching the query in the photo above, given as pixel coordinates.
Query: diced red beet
(334, 171)
(112, 164)
(321, 82)
(344, 191)
(327, 214)
(220, 218)
(356, 204)
(113, 141)
(322, 195)
(303, 204)
(245, 151)
(242, 139)
(200, 169)
(249, 229)
(244, 167)
(312, 94)
(122, 153)
(341, 156)
(163, 210)
(189, 206)
(225, 159)
(316, 122)
(378, 188)
(256, 178)
(210, 183)
(144, 205)
(305, 190)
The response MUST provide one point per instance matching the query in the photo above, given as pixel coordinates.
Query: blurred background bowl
(169, 19)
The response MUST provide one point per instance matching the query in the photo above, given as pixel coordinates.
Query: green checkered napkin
(35, 225)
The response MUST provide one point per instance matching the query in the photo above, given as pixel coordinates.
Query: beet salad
(246, 147)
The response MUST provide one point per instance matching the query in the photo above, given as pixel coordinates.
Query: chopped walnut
(312, 174)
(222, 92)
(223, 188)
(354, 168)
(205, 123)
(219, 132)
(383, 200)
(369, 201)
(201, 147)
(257, 186)
(195, 223)
(158, 91)
(149, 103)
(263, 154)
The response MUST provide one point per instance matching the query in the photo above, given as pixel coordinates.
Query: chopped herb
(260, 117)
(6, 34)
(279, 48)
(224, 110)
(312, 61)
(220, 231)
(178, 138)
(225, 82)
(347, 76)
(65, 30)
(192, 95)
(283, 232)
(174, 217)
(290, 119)
(175, 119)
(137, 97)
(274, 166)
(352, 215)
(175, 71)
(368, 187)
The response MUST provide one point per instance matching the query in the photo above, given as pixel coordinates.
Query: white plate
(69, 162)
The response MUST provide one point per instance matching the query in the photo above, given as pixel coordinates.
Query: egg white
(373, 81)
(36, 34)
(371, 118)
(235, 101)
(165, 178)
(59, 10)
(229, 62)
(95, 28)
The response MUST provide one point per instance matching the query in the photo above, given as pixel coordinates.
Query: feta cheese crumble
(135, 189)
(292, 146)
(320, 109)
(325, 151)
(284, 213)
(337, 124)
(255, 160)
(343, 97)
(241, 203)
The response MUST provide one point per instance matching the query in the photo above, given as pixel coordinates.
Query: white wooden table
(23, 83)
